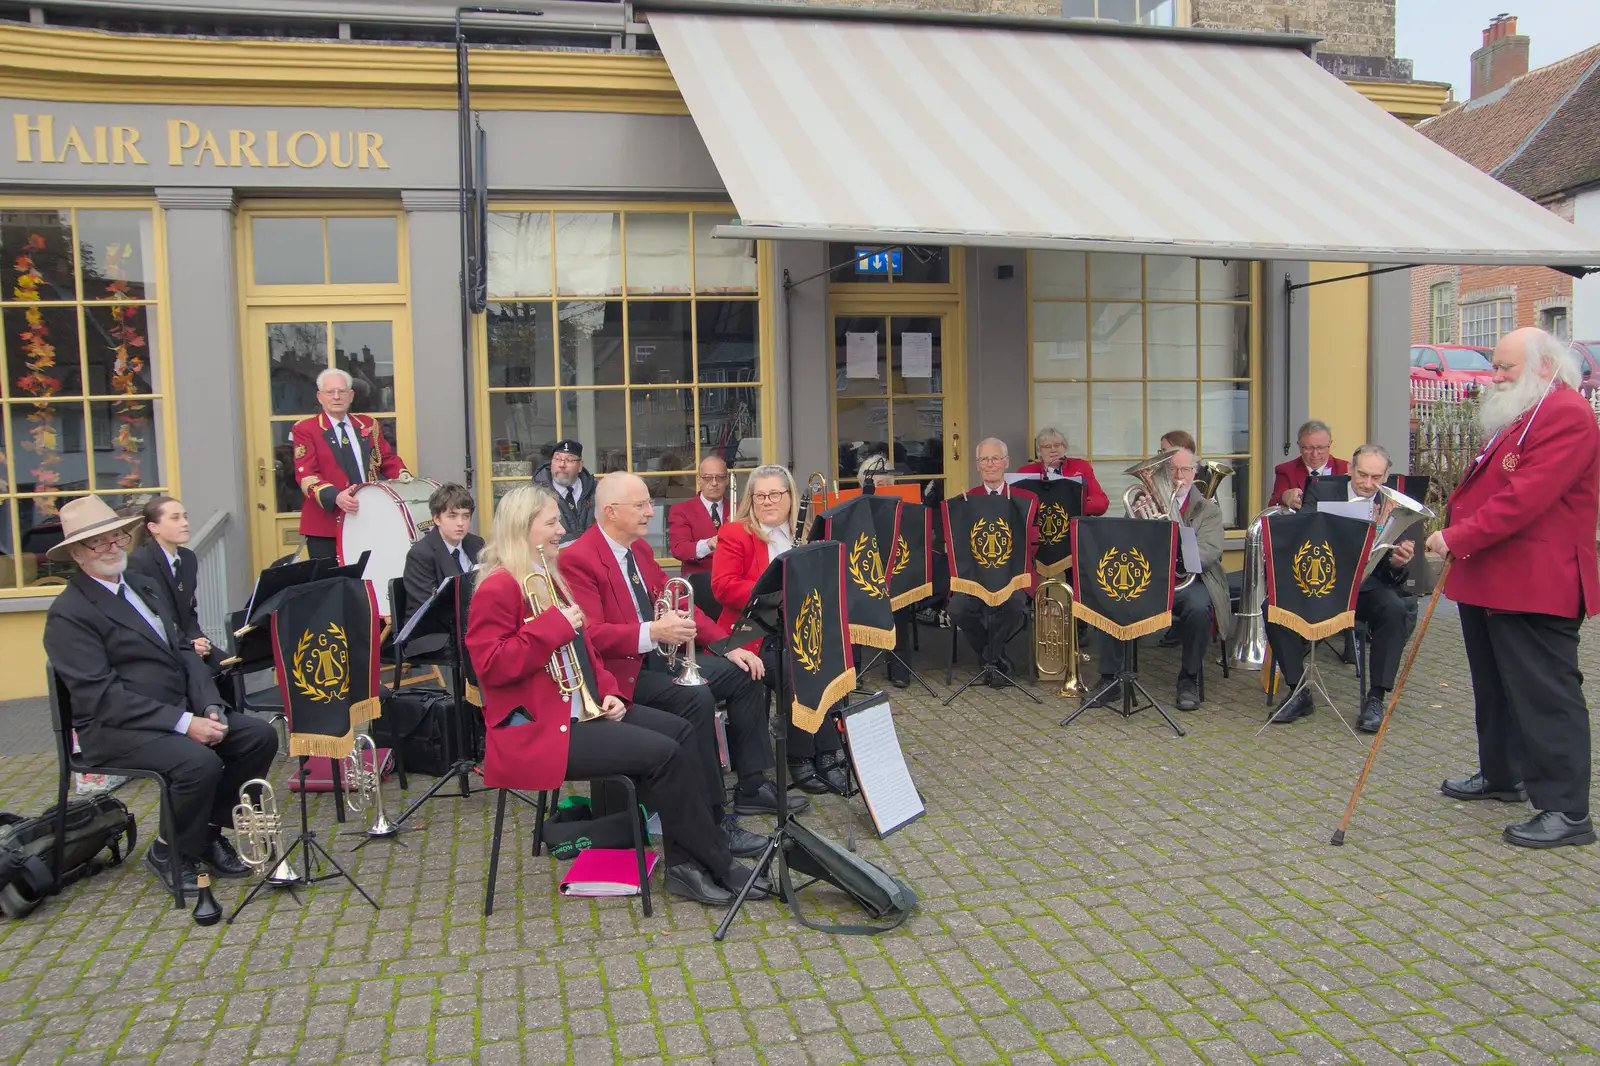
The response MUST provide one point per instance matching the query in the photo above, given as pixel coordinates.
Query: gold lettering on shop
(39, 139)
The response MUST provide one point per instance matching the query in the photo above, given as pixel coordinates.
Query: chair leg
(547, 801)
(174, 860)
(638, 840)
(950, 667)
(58, 850)
(494, 853)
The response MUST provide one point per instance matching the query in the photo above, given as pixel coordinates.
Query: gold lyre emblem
(806, 640)
(991, 542)
(1053, 524)
(1123, 574)
(866, 567)
(1313, 569)
(902, 556)
(321, 668)
(1509, 462)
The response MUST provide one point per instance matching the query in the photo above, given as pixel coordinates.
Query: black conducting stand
(1128, 678)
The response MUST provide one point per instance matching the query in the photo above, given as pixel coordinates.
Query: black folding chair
(70, 763)
(703, 599)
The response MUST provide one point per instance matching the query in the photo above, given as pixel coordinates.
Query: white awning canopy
(916, 132)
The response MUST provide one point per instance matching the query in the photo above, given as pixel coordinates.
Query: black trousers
(800, 745)
(1384, 611)
(322, 547)
(205, 780)
(1533, 724)
(657, 750)
(695, 705)
(745, 699)
(1191, 624)
(989, 629)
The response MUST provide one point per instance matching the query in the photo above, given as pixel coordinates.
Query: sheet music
(404, 636)
(1361, 509)
(1189, 548)
(880, 766)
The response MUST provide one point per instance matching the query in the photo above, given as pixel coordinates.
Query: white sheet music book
(1189, 551)
(1361, 509)
(1012, 479)
(880, 765)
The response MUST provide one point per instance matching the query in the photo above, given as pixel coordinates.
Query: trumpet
(364, 787)
(816, 488)
(678, 598)
(258, 833)
(542, 589)
(1055, 637)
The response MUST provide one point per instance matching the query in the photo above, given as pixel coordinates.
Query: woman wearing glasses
(762, 531)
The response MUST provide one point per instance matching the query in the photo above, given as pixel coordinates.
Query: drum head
(389, 518)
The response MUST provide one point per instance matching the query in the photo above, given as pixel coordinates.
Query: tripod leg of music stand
(1012, 682)
(749, 885)
(1089, 701)
(1127, 697)
(979, 676)
(311, 842)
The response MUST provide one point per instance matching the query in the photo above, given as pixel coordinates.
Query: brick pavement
(1105, 893)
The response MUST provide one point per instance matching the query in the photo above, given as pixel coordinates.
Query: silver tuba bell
(364, 786)
(258, 833)
(1153, 497)
(1396, 513)
(1249, 643)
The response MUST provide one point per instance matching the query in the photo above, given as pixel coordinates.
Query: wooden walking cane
(1394, 699)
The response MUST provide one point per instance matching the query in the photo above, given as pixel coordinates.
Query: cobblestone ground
(1108, 892)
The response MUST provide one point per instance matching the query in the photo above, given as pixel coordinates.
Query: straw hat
(84, 518)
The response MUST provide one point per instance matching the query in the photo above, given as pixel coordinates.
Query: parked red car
(1470, 368)
(1588, 355)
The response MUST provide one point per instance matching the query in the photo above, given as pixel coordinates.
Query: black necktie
(455, 557)
(174, 568)
(641, 595)
(572, 497)
(347, 455)
(716, 517)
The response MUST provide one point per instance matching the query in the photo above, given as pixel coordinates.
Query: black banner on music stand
(1313, 564)
(1122, 569)
(1060, 501)
(987, 537)
(911, 573)
(868, 527)
(325, 646)
(816, 631)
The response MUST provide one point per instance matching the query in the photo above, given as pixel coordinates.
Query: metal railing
(211, 595)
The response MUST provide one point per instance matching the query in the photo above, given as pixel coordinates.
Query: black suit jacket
(148, 559)
(428, 563)
(128, 686)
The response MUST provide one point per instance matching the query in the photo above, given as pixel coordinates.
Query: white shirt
(1325, 470)
(353, 437)
(620, 554)
(778, 541)
(172, 563)
(116, 589)
(461, 553)
(702, 548)
(1002, 489)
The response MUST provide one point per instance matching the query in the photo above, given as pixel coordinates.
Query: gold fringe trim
(322, 744)
(1052, 569)
(472, 695)
(906, 599)
(1153, 624)
(1311, 630)
(810, 719)
(871, 637)
(993, 599)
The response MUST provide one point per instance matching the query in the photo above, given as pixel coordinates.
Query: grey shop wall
(997, 358)
(125, 146)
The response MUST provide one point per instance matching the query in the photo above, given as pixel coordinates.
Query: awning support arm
(867, 254)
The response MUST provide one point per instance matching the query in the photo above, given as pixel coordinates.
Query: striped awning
(902, 132)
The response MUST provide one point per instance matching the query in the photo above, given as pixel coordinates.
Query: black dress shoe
(804, 775)
(831, 769)
(735, 877)
(223, 860)
(1188, 694)
(742, 842)
(1477, 787)
(691, 882)
(899, 680)
(161, 866)
(1371, 714)
(1550, 829)
(1294, 708)
(764, 800)
(1111, 696)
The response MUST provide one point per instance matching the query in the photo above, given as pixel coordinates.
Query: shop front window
(1141, 12)
(1127, 347)
(634, 332)
(80, 375)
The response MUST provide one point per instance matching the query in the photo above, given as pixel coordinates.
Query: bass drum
(389, 518)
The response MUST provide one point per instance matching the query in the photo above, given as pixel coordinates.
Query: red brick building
(1499, 131)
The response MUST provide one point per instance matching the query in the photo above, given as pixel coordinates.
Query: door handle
(261, 472)
(955, 446)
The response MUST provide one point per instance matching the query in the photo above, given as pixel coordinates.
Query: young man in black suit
(142, 698)
(445, 550)
(163, 558)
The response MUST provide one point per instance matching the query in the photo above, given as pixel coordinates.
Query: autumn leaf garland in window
(39, 381)
(126, 365)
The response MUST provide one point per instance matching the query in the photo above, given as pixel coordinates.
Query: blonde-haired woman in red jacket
(535, 740)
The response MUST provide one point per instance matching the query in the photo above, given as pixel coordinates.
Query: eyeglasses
(1186, 471)
(107, 542)
(769, 497)
(338, 392)
(1316, 447)
(991, 458)
(714, 478)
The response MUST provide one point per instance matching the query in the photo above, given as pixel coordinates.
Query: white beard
(107, 568)
(1503, 404)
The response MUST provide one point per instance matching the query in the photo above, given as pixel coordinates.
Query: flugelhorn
(258, 833)
(1055, 637)
(1153, 497)
(816, 492)
(364, 787)
(565, 667)
(1210, 476)
(677, 597)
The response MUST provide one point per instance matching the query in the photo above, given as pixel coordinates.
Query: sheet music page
(1361, 509)
(419, 614)
(1189, 549)
(881, 767)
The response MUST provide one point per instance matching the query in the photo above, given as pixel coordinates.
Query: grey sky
(1441, 35)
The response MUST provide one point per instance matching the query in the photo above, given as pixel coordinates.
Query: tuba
(1055, 636)
(258, 832)
(1396, 513)
(364, 786)
(678, 598)
(543, 590)
(1249, 640)
(1153, 498)
(1210, 476)
(816, 490)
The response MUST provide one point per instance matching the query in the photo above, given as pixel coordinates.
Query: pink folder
(606, 872)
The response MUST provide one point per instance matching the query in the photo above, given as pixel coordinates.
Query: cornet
(816, 490)
(258, 833)
(678, 598)
(364, 787)
(1055, 637)
(564, 666)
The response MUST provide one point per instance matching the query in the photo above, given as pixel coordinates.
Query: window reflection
(365, 351)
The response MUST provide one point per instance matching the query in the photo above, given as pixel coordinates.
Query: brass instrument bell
(542, 589)
(677, 597)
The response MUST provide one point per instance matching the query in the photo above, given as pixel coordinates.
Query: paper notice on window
(860, 355)
(916, 355)
(880, 765)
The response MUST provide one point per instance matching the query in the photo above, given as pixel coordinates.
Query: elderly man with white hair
(1521, 532)
(333, 453)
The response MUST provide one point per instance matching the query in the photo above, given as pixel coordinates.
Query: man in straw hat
(142, 698)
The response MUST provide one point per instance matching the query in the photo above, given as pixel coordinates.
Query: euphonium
(565, 667)
(1055, 636)
(1396, 512)
(257, 830)
(1249, 641)
(1153, 497)
(816, 490)
(364, 787)
(677, 597)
